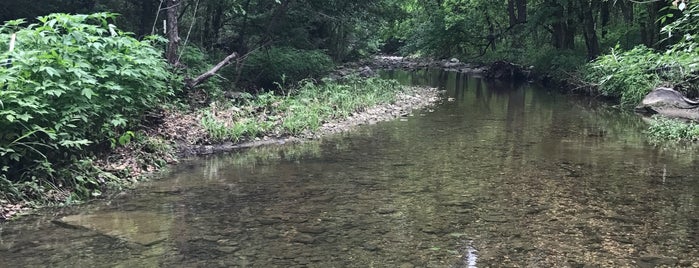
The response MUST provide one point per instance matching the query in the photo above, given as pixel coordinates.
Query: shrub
(662, 129)
(75, 80)
(627, 75)
(285, 65)
(630, 75)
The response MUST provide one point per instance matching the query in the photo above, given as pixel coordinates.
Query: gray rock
(669, 103)
(656, 260)
(311, 229)
(227, 250)
(303, 239)
(366, 71)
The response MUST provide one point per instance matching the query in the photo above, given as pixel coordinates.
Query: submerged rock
(656, 261)
(143, 228)
(303, 239)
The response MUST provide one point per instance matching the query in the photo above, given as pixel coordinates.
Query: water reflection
(506, 175)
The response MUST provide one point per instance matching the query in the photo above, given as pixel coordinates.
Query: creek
(498, 174)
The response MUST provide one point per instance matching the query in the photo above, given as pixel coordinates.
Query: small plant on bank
(663, 129)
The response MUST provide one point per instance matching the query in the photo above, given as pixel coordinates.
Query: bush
(285, 66)
(75, 80)
(630, 75)
(663, 129)
(626, 75)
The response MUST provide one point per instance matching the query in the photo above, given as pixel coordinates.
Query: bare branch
(191, 83)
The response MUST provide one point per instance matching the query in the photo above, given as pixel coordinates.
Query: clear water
(503, 175)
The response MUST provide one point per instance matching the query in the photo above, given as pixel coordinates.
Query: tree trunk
(517, 11)
(146, 18)
(627, 11)
(191, 83)
(563, 34)
(589, 31)
(173, 34)
(604, 16)
(650, 29)
(521, 11)
(216, 23)
(511, 12)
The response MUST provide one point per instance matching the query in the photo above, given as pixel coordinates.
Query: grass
(305, 109)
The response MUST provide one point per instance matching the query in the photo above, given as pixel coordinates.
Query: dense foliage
(278, 65)
(631, 74)
(75, 82)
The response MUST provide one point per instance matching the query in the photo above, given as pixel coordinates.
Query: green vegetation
(309, 106)
(626, 75)
(663, 129)
(280, 65)
(76, 85)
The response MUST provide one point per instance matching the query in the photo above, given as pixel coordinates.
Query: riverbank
(227, 125)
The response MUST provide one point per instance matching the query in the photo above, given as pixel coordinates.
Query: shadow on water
(503, 175)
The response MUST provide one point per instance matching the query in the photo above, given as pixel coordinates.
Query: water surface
(499, 174)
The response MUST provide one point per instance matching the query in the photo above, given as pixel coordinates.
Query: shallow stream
(498, 174)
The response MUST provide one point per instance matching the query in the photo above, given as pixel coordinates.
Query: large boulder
(670, 103)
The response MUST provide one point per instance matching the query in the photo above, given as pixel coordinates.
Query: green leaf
(88, 93)
(50, 71)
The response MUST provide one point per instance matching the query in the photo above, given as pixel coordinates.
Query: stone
(303, 239)
(656, 260)
(386, 210)
(311, 229)
(495, 218)
(406, 265)
(269, 220)
(670, 103)
(227, 250)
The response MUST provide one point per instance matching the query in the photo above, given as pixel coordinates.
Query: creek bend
(499, 174)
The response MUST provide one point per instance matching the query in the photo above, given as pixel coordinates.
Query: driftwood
(191, 83)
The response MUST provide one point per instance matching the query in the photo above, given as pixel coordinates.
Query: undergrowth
(663, 129)
(303, 109)
(77, 85)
